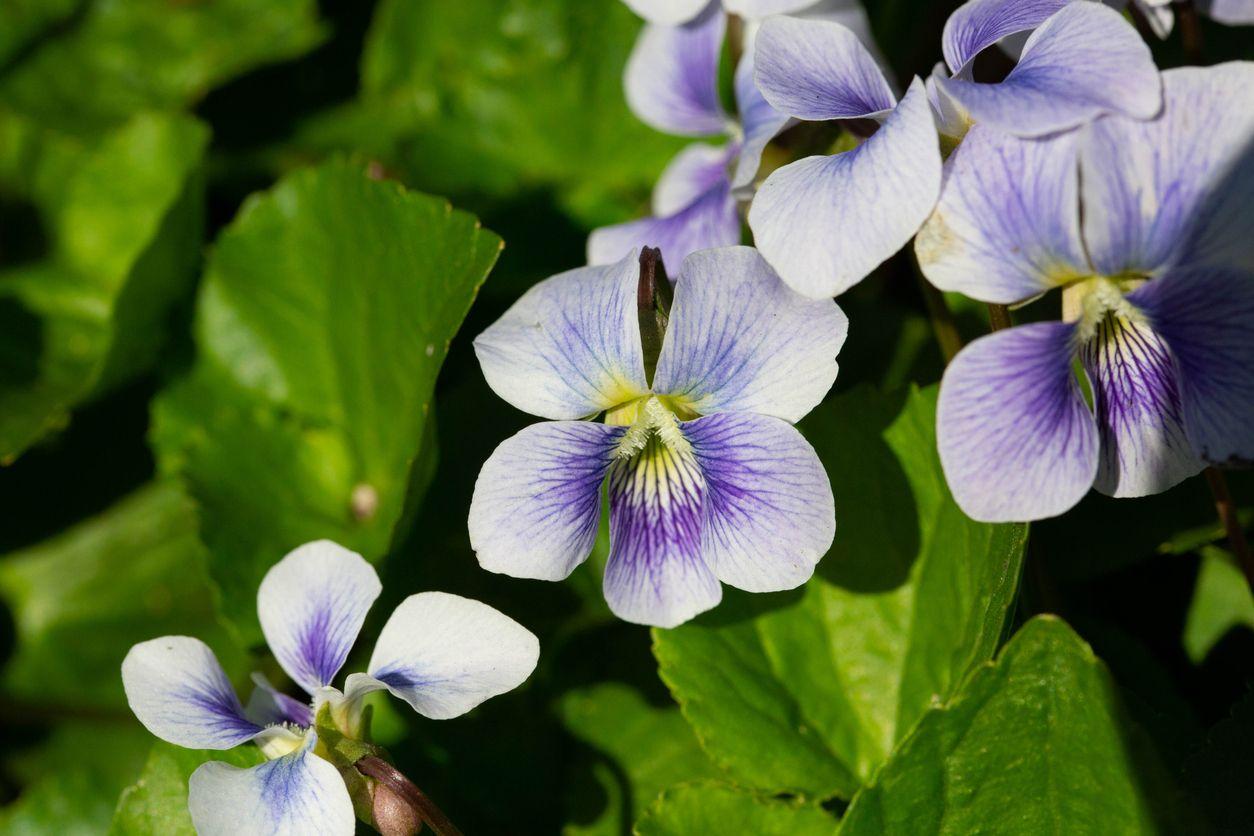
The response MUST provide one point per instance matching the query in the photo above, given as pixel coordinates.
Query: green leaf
(1034, 743)
(650, 749)
(21, 21)
(121, 57)
(718, 808)
(116, 225)
(157, 802)
(80, 600)
(463, 98)
(326, 310)
(1221, 602)
(72, 779)
(808, 691)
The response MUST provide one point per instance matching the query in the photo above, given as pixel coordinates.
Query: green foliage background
(233, 295)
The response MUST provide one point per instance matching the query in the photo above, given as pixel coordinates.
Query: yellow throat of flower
(1089, 302)
(646, 418)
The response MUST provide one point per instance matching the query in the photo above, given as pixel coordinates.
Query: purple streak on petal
(1007, 226)
(818, 70)
(312, 604)
(1083, 62)
(268, 706)
(570, 347)
(671, 78)
(293, 795)
(1206, 317)
(1136, 399)
(180, 693)
(537, 501)
(759, 123)
(769, 512)
(978, 24)
(1177, 189)
(1016, 439)
(712, 220)
(824, 223)
(656, 574)
(740, 340)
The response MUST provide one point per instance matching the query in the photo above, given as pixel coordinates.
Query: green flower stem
(943, 325)
(1227, 511)
(998, 317)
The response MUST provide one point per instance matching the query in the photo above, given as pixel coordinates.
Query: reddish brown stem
(404, 789)
(999, 317)
(1227, 511)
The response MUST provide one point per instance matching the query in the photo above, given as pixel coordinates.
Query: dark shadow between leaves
(21, 344)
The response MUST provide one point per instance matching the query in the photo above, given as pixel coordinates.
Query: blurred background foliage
(221, 323)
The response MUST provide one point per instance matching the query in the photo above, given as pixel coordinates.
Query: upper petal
(178, 690)
(671, 78)
(1177, 189)
(570, 347)
(295, 795)
(712, 219)
(1136, 398)
(759, 123)
(824, 223)
(692, 173)
(978, 24)
(818, 70)
(1206, 316)
(537, 501)
(312, 604)
(656, 573)
(668, 12)
(1085, 61)
(769, 515)
(740, 340)
(1016, 439)
(444, 654)
(1007, 225)
(753, 9)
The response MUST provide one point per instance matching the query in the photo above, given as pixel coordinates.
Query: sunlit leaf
(1221, 602)
(719, 808)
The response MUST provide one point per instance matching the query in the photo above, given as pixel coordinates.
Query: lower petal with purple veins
(293, 795)
(1206, 317)
(656, 572)
(1016, 439)
(769, 512)
(1136, 399)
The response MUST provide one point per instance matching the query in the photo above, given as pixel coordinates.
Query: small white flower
(440, 653)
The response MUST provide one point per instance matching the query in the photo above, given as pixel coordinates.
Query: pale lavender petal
(656, 573)
(759, 124)
(269, 706)
(824, 223)
(312, 604)
(1083, 62)
(537, 500)
(952, 121)
(295, 795)
(1177, 189)
(1158, 14)
(444, 654)
(1230, 12)
(741, 340)
(769, 512)
(668, 12)
(1136, 398)
(672, 76)
(1016, 439)
(178, 690)
(1206, 316)
(978, 24)
(570, 347)
(1007, 226)
(693, 172)
(754, 9)
(712, 220)
(818, 70)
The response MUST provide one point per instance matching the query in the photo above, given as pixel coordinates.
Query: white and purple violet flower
(440, 653)
(707, 479)
(1145, 227)
(825, 222)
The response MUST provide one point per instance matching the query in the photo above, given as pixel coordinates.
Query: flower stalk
(400, 808)
(998, 317)
(1227, 511)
